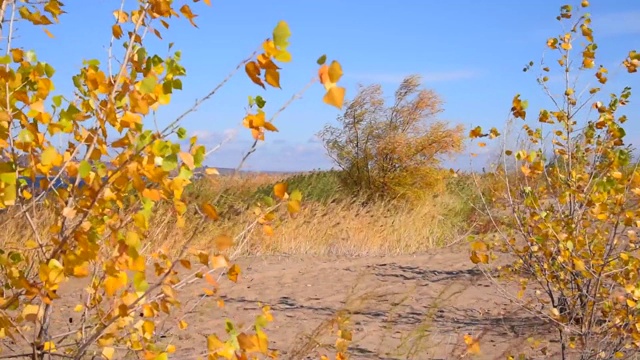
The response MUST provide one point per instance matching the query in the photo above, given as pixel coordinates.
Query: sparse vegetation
(114, 248)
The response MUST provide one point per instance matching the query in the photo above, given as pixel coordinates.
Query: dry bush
(569, 209)
(392, 151)
(98, 233)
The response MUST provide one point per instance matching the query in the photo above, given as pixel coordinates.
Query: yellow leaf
(114, 283)
(293, 206)
(280, 190)
(182, 325)
(579, 264)
(335, 96)
(78, 308)
(108, 352)
(473, 345)
(272, 77)
(211, 171)
(32, 313)
(479, 246)
(120, 16)
(233, 273)
(213, 343)
(37, 106)
(49, 346)
(187, 159)
(481, 144)
(268, 230)
(148, 327)
(335, 71)
(283, 56)
(130, 119)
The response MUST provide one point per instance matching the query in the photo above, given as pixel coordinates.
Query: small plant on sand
(83, 209)
(572, 201)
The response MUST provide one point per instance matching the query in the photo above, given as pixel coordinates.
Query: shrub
(573, 205)
(391, 151)
(98, 194)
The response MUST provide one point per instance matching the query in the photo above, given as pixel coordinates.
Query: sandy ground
(408, 307)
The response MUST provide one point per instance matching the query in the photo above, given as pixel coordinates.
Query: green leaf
(8, 173)
(182, 133)
(147, 85)
(177, 84)
(260, 101)
(170, 162)
(140, 284)
(4, 60)
(268, 200)
(296, 195)
(321, 60)
(49, 70)
(84, 169)
(25, 136)
(167, 87)
(57, 100)
(198, 157)
(252, 101)
(281, 35)
(92, 62)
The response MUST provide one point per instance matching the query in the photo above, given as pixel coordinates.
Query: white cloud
(437, 76)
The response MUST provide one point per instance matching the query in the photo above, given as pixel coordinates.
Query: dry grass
(343, 226)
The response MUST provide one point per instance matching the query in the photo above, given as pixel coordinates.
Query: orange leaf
(272, 77)
(257, 134)
(323, 74)
(187, 159)
(186, 11)
(280, 190)
(116, 30)
(269, 126)
(49, 34)
(152, 194)
(210, 211)
(253, 71)
(223, 242)
(219, 261)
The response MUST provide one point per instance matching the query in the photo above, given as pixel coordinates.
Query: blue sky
(471, 52)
